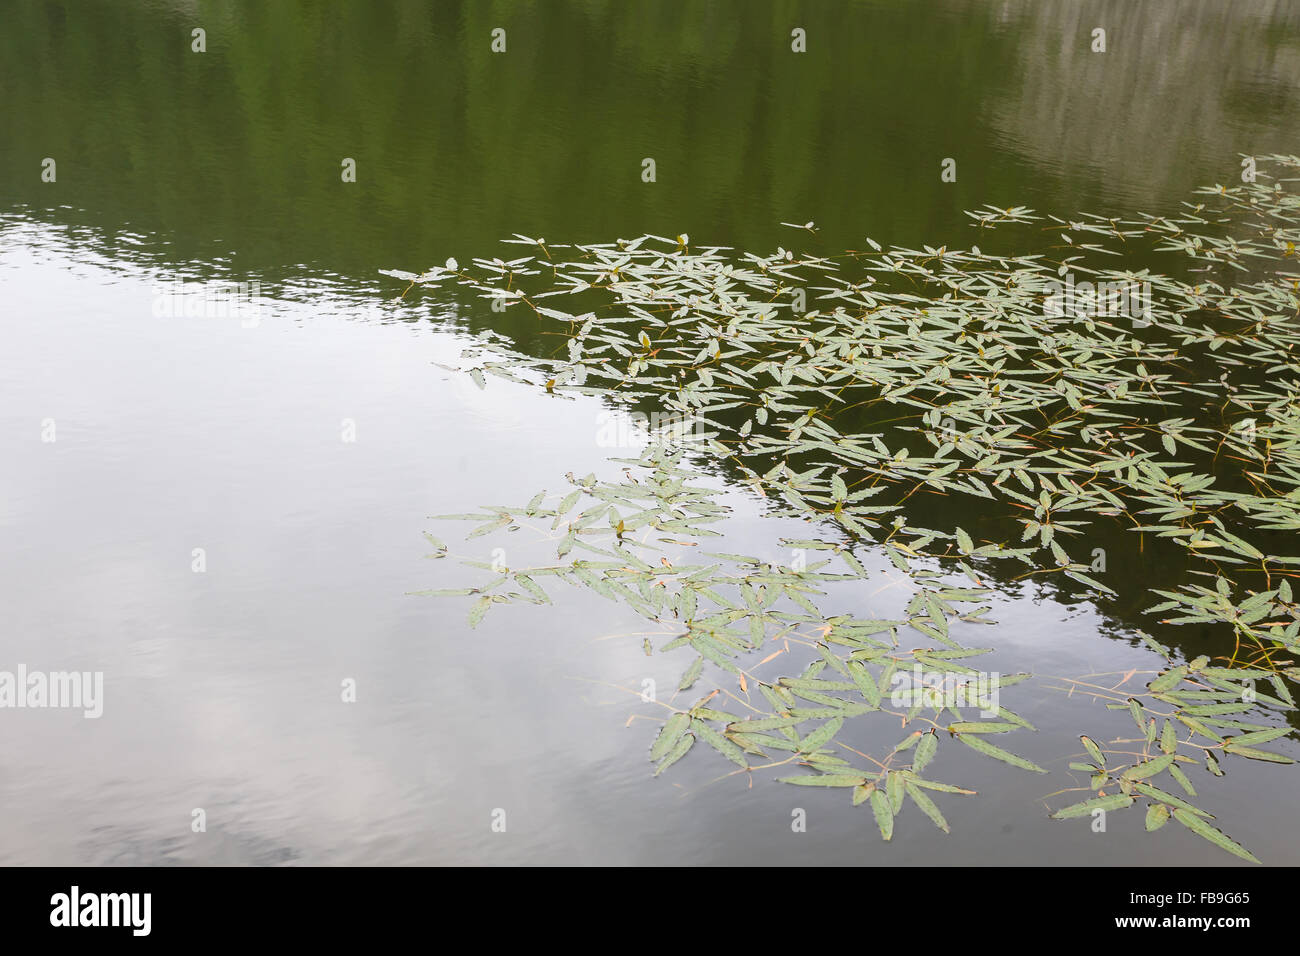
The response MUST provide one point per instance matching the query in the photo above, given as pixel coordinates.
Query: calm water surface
(175, 432)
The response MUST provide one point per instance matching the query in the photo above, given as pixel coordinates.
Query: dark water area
(231, 517)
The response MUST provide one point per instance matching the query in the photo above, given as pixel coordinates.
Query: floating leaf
(1113, 802)
(672, 731)
(997, 753)
(883, 813)
(1217, 837)
(1157, 794)
(479, 609)
(825, 780)
(1253, 753)
(720, 743)
(821, 736)
(692, 675)
(982, 727)
(927, 806)
(678, 751)
(1148, 768)
(925, 752)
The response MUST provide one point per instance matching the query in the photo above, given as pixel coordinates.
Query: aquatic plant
(847, 388)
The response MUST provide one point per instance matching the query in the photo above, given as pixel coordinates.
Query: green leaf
(720, 743)
(825, 780)
(764, 723)
(894, 790)
(821, 736)
(533, 588)
(1136, 710)
(932, 785)
(925, 752)
(1168, 738)
(677, 753)
(1168, 680)
(908, 742)
(997, 753)
(862, 677)
(1114, 802)
(981, 727)
(927, 806)
(479, 609)
(883, 812)
(1254, 753)
(672, 729)
(1177, 774)
(567, 503)
(1217, 837)
(1148, 768)
(566, 545)
(1258, 736)
(1157, 816)
(692, 675)
(1155, 793)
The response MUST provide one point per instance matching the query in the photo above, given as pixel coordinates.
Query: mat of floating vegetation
(1057, 391)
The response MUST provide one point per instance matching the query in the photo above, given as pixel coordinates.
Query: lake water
(295, 455)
